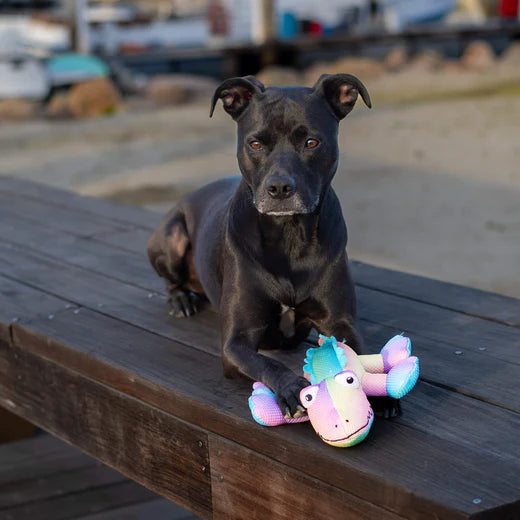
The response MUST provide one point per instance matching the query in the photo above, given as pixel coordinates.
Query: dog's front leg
(244, 323)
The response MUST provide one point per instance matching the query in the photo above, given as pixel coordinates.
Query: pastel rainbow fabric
(336, 401)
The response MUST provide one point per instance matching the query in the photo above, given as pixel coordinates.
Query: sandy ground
(428, 187)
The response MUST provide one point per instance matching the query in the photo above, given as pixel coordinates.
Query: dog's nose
(280, 186)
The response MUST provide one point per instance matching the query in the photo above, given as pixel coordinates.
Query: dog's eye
(347, 378)
(255, 145)
(308, 395)
(311, 143)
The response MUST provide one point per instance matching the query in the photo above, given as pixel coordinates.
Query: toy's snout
(338, 409)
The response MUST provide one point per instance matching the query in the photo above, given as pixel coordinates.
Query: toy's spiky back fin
(324, 361)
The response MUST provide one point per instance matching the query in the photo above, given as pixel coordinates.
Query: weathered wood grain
(107, 295)
(131, 240)
(141, 441)
(81, 251)
(32, 210)
(451, 296)
(122, 345)
(118, 357)
(431, 321)
(116, 337)
(132, 304)
(113, 211)
(248, 486)
(443, 325)
(468, 300)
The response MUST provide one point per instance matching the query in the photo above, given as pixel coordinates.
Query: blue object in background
(287, 25)
(66, 69)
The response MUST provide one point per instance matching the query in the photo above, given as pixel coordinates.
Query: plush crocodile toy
(336, 402)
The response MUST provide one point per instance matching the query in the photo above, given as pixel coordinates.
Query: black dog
(268, 249)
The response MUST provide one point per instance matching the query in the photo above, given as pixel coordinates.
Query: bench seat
(89, 353)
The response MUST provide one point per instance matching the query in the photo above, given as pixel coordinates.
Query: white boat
(22, 77)
(399, 14)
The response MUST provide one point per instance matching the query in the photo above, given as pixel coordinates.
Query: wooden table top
(89, 353)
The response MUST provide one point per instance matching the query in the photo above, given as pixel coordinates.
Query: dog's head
(288, 137)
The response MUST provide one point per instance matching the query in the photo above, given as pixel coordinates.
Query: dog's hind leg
(170, 253)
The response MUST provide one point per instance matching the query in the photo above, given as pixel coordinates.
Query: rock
(396, 59)
(311, 74)
(452, 67)
(173, 89)
(363, 68)
(429, 60)
(58, 106)
(478, 56)
(93, 98)
(511, 55)
(275, 76)
(15, 109)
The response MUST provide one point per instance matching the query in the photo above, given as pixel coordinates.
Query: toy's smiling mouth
(370, 416)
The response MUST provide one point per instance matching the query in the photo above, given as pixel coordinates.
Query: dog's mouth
(296, 207)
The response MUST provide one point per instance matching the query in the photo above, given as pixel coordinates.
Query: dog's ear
(341, 92)
(236, 93)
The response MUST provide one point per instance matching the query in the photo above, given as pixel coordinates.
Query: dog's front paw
(182, 303)
(288, 396)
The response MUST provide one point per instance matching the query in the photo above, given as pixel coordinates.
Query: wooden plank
(146, 444)
(468, 333)
(121, 355)
(463, 331)
(433, 322)
(20, 303)
(468, 300)
(78, 504)
(113, 211)
(451, 296)
(102, 293)
(248, 486)
(133, 305)
(83, 252)
(132, 240)
(447, 413)
(30, 211)
(446, 364)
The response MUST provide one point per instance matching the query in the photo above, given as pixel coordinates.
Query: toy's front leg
(265, 409)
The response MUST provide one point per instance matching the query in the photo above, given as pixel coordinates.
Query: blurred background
(111, 99)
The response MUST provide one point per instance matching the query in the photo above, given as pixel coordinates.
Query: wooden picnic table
(89, 353)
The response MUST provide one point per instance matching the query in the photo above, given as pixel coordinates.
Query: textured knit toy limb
(336, 401)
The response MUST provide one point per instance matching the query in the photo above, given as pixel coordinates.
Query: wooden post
(263, 20)
(81, 28)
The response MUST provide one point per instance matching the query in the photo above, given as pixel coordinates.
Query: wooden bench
(89, 353)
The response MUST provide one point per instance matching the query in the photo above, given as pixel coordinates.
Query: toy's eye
(308, 396)
(347, 378)
(311, 143)
(255, 145)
